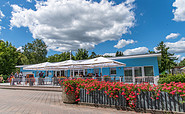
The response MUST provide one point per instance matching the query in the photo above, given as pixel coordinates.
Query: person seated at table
(77, 75)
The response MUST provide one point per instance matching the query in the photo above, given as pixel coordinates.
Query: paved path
(36, 88)
(43, 102)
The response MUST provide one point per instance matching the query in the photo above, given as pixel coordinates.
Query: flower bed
(130, 91)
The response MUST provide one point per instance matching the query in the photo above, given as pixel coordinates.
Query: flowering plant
(129, 91)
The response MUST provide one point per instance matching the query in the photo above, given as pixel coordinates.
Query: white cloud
(109, 54)
(122, 43)
(176, 47)
(182, 58)
(29, 1)
(1, 15)
(139, 50)
(179, 12)
(20, 49)
(177, 56)
(172, 36)
(71, 24)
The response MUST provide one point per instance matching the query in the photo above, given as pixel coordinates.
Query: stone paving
(44, 102)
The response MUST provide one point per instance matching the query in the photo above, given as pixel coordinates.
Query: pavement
(44, 102)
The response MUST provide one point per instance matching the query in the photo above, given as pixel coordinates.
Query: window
(138, 71)
(148, 71)
(96, 71)
(128, 71)
(58, 73)
(112, 71)
(47, 73)
(62, 72)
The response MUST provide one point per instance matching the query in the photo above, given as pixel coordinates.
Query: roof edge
(136, 56)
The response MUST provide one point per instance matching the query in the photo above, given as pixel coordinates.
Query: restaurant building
(137, 67)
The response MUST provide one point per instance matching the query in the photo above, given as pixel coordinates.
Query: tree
(81, 54)
(8, 57)
(119, 53)
(93, 55)
(182, 63)
(151, 52)
(167, 59)
(60, 57)
(22, 59)
(35, 52)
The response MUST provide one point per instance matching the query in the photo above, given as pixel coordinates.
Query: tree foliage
(167, 59)
(8, 57)
(35, 52)
(119, 53)
(81, 54)
(60, 57)
(93, 55)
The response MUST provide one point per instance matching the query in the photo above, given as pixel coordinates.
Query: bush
(172, 78)
(5, 77)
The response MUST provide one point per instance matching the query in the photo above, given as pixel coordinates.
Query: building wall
(130, 62)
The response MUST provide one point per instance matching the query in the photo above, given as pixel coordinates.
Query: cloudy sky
(131, 26)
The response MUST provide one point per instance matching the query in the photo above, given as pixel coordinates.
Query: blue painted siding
(130, 62)
(147, 61)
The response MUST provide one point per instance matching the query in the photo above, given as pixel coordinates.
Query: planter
(68, 98)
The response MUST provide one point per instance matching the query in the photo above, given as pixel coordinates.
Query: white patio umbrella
(40, 66)
(100, 62)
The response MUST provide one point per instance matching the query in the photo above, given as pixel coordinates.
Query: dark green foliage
(81, 54)
(60, 57)
(172, 78)
(167, 61)
(119, 53)
(35, 52)
(93, 55)
(8, 57)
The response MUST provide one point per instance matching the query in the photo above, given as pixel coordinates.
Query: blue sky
(140, 25)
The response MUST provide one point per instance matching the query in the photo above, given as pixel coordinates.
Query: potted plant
(69, 94)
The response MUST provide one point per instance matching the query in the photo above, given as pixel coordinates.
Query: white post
(143, 73)
(133, 74)
(84, 72)
(73, 73)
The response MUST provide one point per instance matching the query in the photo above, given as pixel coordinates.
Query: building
(138, 67)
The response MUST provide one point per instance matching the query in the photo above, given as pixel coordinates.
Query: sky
(102, 26)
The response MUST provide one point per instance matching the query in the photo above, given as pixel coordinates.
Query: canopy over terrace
(99, 62)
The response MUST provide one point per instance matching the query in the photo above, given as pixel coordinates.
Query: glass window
(58, 73)
(148, 71)
(128, 71)
(112, 71)
(96, 71)
(138, 71)
(62, 72)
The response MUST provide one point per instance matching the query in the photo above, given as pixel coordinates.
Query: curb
(34, 88)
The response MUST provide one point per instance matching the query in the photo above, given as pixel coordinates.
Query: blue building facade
(136, 66)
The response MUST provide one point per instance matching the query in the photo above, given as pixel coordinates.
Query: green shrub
(5, 77)
(172, 78)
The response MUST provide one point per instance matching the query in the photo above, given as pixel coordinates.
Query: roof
(136, 56)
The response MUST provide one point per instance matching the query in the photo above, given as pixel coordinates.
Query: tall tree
(119, 53)
(167, 59)
(81, 54)
(8, 57)
(182, 63)
(93, 55)
(22, 59)
(35, 52)
(60, 57)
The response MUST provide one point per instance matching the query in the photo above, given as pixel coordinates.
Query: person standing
(20, 77)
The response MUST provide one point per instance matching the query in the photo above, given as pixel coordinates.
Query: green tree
(167, 59)
(35, 52)
(22, 59)
(119, 53)
(182, 63)
(60, 57)
(8, 57)
(81, 54)
(151, 52)
(93, 55)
